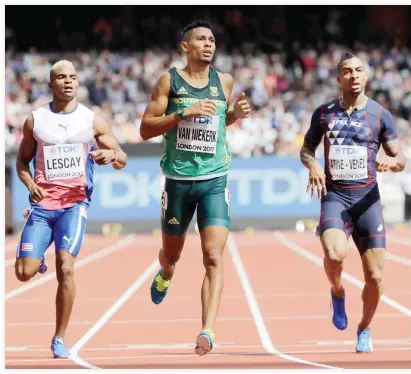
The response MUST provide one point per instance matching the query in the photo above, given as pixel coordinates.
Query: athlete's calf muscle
(172, 247)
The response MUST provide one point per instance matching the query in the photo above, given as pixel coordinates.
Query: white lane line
(178, 299)
(11, 261)
(319, 261)
(148, 273)
(399, 259)
(222, 355)
(80, 263)
(388, 255)
(256, 312)
(399, 240)
(292, 317)
(116, 358)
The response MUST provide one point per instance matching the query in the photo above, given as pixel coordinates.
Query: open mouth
(207, 53)
(68, 89)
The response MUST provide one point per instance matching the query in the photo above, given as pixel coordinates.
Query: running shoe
(204, 342)
(59, 348)
(43, 264)
(364, 344)
(159, 287)
(339, 317)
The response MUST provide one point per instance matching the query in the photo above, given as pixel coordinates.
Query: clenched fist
(103, 156)
(242, 108)
(37, 193)
(204, 107)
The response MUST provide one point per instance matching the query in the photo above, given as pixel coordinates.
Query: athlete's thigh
(334, 214)
(368, 222)
(37, 234)
(213, 238)
(213, 207)
(176, 209)
(70, 227)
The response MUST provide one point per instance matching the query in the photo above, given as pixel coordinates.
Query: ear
(49, 84)
(184, 46)
(338, 79)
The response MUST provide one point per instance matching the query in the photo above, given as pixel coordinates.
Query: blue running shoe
(59, 348)
(159, 287)
(204, 342)
(43, 265)
(339, 317)
(364, 344)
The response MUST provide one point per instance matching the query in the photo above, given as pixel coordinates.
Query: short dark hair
(345, 56)
(194, 25)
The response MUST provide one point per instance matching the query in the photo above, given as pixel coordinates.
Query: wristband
(180, 113)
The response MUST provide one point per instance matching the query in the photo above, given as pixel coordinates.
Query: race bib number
(164, 200)
(348, 162)
(164, 204)
(227, 196)
(198, 134)
(64, 161)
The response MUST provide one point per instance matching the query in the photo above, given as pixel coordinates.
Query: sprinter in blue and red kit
(354, 127)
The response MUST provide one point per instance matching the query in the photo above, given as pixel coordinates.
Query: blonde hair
(59, 64)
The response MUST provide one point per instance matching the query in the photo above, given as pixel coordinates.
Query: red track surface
(290, 314)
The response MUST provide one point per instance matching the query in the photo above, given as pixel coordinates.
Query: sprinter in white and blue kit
(64, 139)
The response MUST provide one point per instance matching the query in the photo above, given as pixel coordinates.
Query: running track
(274, 311)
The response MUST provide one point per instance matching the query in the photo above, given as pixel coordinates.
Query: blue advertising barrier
(259, 188)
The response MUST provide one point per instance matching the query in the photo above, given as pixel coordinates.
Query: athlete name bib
(348, 162)
(64, 161)
(198, 134)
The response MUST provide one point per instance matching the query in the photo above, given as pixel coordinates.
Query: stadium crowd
(284, 87)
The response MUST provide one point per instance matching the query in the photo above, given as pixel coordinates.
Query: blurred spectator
(284, 87)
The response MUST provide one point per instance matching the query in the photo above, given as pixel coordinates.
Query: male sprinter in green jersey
(189, 107)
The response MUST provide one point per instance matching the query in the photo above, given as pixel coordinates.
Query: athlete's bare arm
(316, 180)
(393, 149)
(110, 151)
(391, 145)
(227, 82)
(312, 140)
(307, 153)
(24, 157)
(241, 108)
(155, 123)
(26, 153)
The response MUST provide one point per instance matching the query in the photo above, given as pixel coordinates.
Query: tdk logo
(63, 149)
(203, 120)
(349, 151)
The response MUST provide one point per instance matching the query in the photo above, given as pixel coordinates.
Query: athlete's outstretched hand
(316, 181)
(37, 193)
(204, 107)
(242, 108)
(103, 156)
